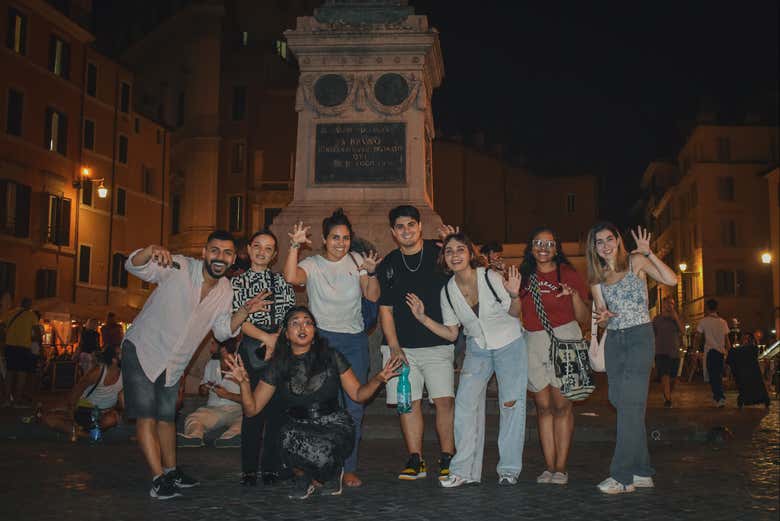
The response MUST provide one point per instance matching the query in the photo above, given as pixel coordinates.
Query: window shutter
(22, 220)
(63, 224)
(40, 283)
(52, 52)
(62, 135)
(47, 130)
(65, 60)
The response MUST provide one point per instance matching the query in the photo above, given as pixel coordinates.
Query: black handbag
(569, 357)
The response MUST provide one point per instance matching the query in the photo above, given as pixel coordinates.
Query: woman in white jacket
(487, 306)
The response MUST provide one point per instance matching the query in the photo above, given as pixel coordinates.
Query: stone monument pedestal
(365, 125)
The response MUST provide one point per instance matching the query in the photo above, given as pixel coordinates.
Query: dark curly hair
(318, 357)
(528, 265)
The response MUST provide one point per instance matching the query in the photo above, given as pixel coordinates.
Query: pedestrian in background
(617, 282)
(668, 329)
(713, 331)
(19, 325)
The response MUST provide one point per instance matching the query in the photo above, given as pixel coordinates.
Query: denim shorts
(144, 398)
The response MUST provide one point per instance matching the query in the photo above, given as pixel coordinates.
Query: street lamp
(101, 189)
(766, 257)
(683, 266)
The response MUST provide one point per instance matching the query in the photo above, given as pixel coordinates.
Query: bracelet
(295, 245)
(513, 297)
(647, 254)
(371, 273)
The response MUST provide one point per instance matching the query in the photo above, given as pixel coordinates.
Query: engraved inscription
(360, 153)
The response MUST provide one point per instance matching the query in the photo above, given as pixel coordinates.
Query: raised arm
(418, 310)
(252, 402)
(648, 262)
(369, 284)
(292, 273)
(512, 287)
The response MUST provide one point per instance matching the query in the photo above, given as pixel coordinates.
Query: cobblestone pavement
(733, 480)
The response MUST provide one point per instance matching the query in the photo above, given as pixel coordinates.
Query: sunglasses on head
(539, 243)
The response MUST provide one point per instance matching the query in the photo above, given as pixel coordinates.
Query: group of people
(302, 372)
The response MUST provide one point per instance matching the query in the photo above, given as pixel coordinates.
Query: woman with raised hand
(308, 376)
(487, 305)
(336, 281)
(561, 293)
(618, 284)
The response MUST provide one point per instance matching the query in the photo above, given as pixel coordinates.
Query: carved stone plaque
(360, 153)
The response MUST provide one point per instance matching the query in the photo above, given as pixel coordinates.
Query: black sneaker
(182, 480)
(248, 479)
(414, 469)
(270, 478)
(332, 487)
(302, 488)
(163, 488)
(444, 465)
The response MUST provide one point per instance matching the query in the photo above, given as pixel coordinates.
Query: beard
(210, 270)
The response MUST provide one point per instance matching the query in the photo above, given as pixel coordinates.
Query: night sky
(600, 87)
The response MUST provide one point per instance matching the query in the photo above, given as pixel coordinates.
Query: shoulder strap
(493, 291)
(447, 293)
(537, 298)
(100, 379)
(8, 325)
(353, 260)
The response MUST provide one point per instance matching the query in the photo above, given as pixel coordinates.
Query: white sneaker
(544, 477)
(613, 486)
(454, 480)
(643, 482)
(507, 480)
(559, 478)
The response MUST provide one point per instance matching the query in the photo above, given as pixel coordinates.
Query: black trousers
(261, 430)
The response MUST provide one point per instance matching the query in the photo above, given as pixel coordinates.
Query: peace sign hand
(642, 238)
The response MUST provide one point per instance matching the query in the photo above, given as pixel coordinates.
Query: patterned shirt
(250, 283)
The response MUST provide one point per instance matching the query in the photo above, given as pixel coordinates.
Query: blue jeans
(510, 363)
(628, 354)
(715, 372)
(354, 347)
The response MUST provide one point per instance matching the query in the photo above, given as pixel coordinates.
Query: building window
(726, 189)
(89, 134)
(269, 214)
(17, 31)
(724, 149)
(137, 125)
(728, 232)
(175, 214)
(239, 103)
(730, 283)
(124, 98)
(236, 216)
(56, 135)
(92, 72)
(237, 158)
(281, 48)
(244, 39)
(121, 201)
(14, 208)
(58, 221)
(85, 261)
(123, 149)
(45, 283)
(570, 200)
(147, 180)
(15, 109)
(118, 271)
(7, 278)
(86, 192)
(59, 57)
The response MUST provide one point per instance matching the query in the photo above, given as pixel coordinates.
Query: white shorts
(431, 367)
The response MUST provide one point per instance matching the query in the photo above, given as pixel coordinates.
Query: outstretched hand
(416, 306)
(445, 229)
(513, 281)
(370, 261)
(300, 234)
(390, 370)
(602, 316)
(236, 370)
(642, 238)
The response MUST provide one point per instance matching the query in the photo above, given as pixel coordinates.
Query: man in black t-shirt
(413, 268)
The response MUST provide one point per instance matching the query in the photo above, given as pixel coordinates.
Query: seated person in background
(101, 388)
(223, 408)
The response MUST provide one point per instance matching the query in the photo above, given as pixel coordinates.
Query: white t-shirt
(213, 373)
(494, 328)
(334, 292)
(715, 330)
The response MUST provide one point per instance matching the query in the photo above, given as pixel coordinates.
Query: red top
(560, 310)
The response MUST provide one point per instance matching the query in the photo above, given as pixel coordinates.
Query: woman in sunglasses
(562, 293)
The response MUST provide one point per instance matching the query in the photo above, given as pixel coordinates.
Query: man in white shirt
(716, 343)
(191, 298)
(223, 408)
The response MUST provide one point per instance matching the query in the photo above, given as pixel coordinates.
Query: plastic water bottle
(95, 434)
(404, 391)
